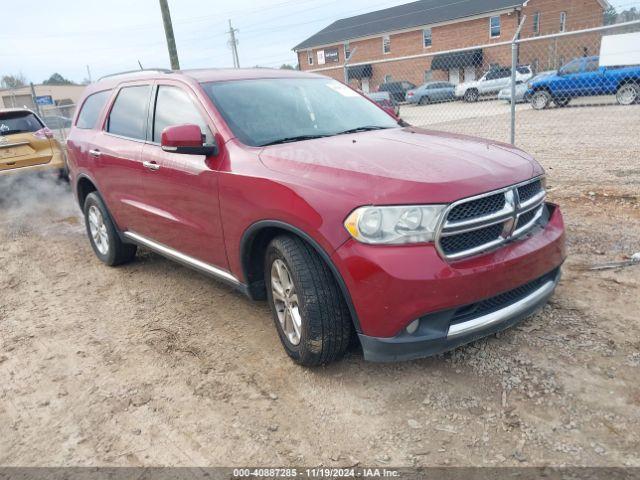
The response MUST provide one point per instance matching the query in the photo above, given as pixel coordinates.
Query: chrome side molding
(505, 313)
(182, 258)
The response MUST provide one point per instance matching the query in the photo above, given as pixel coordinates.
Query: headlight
(394, 225)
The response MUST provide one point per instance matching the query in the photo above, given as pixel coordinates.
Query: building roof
(422, 12)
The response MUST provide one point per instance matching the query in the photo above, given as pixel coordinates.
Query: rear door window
(592, 65)
(175, 107)
(573, 66)
(19, 122)
(91, 109)
(128, 116)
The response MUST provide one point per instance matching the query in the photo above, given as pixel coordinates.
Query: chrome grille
(530, 190)
(474, 225)
(469, 240)
(477, 208)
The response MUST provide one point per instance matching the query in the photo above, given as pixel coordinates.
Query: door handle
(95, 153)
(151, 165)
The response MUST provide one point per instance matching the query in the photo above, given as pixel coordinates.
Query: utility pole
(233, 43)
(168, 31)
(88, 74)
(35, 100)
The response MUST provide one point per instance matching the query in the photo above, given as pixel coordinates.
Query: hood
(401, 165)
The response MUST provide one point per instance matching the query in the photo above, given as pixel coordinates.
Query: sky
(65, 36)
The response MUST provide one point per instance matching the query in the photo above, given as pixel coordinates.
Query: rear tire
(562, 102)
(311, 316)
(471, 95)
(540, 100)
(628, 94)
(103, 236)
(424, 100)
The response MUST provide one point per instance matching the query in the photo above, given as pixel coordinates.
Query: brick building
(414, 41)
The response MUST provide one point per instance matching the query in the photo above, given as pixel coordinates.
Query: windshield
(18, 122)
(267, 111)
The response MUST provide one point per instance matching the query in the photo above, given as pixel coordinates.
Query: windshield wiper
(366, 128)
(297, 138)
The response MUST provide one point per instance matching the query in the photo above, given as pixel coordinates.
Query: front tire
(628, 94)
(471, 96)
(104, 238)
(311, 316)
(540, 100)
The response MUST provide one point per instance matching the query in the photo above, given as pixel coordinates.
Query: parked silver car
(431, 92)
(522, 87)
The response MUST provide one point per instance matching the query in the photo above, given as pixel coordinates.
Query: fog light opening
(413, 327)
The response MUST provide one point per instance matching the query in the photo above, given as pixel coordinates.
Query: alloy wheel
(627, 94)
(98, 230)
(285, 300)
(540, 100)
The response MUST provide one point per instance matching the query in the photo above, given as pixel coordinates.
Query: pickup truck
(584, 77)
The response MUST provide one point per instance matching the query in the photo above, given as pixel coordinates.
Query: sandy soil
(154, 364)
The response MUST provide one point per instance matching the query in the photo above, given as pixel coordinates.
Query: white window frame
(563, 21)
(424, 37)
(347, 50)
(491, 35)
(536, 23)
(386, 44)
(310, 57)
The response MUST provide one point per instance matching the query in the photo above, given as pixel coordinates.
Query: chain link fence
(510, 91)
(58, 119)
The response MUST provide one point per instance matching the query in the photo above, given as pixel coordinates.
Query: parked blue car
(431, 92)
(584, 77)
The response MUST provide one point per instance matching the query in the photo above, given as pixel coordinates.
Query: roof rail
(158, 70)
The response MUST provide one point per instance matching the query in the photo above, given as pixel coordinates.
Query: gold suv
(27, 145)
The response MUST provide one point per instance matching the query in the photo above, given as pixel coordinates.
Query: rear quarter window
(128, 116)
(91, 109)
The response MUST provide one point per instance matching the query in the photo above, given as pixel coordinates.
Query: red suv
(296, 189)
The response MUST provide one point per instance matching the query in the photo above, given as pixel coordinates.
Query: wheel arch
(84, 186)
(252, 249)
(540, 88)
(626, 80)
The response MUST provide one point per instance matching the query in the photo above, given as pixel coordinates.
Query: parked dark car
(584, 77)
(386, 102)
(398, 90)
(295, 189)
(431, 92)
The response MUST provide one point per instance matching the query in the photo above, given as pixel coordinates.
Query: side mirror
(186, 139)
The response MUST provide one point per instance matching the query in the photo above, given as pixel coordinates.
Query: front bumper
(437, 333)
(392, 286)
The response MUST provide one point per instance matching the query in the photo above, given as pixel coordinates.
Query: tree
(13, 81)
(286, 66)
(57, 79)
(630, 15)
(610, 15)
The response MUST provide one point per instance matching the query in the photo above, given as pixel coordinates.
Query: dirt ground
(154, 364)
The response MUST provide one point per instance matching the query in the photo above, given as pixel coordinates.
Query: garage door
(19, 101)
